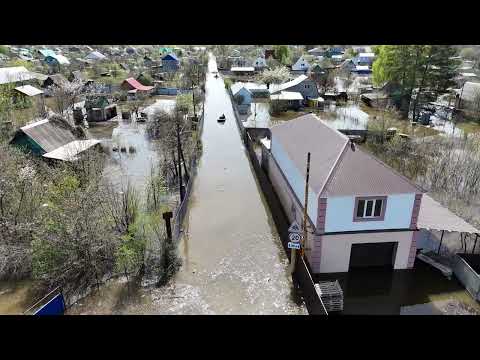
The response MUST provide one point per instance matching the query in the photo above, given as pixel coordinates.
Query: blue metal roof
(170, 56)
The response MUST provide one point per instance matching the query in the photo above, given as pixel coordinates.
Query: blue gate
(52, 304)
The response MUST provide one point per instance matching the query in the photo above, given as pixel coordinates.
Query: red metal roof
(136, 85)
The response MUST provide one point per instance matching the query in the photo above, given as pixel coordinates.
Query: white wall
(295, 179)
(340, 210)
(335, 249)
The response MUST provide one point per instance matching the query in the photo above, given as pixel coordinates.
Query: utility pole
(293, 252)
(179, 149)
(305, 232)
(193, 99)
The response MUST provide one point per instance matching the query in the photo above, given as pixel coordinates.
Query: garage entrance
(373, 254)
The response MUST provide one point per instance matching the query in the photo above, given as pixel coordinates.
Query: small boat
(221, 118)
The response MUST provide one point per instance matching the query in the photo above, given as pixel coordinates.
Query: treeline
(417, 73)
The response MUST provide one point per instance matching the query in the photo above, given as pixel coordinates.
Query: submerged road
(233, 259)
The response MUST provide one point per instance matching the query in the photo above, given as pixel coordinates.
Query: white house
(301, 65)
(365, 59)
(360, 211)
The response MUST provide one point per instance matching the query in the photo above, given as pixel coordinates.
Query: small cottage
(99, 108)
(287, 100)
(301, 65)
(260, 63)
(170, 63)
(51, 140)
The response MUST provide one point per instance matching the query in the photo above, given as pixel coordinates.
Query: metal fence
(466, 274)
(310, 294)
(181, 210)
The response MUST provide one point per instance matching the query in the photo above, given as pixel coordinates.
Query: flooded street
(233, 260)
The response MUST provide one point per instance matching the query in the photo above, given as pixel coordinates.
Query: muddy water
(15, 297)
(135, 163)
(233, 261)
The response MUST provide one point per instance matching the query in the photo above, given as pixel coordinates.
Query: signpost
(294, 235)
(294, 245)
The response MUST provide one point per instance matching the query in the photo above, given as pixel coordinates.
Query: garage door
(373, 254)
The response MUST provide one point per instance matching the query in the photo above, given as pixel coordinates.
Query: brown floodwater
(233, 260)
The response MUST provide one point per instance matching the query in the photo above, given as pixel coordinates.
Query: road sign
(292, 245)
(295, 228)
(294, 237)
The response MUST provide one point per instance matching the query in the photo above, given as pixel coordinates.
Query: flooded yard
(132, 155)
(420, 291)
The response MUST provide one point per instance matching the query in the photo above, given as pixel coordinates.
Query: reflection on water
(16, 296)
(349, 117)
(132, 154)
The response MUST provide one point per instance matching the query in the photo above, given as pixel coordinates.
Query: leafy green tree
(3, 50)
(426, 68)
(282, 53)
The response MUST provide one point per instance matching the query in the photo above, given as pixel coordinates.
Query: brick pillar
(413, 250)
(415, 211)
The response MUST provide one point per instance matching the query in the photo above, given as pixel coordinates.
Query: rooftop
(274, 88)
(70, 151)
(14, 74)
(29, 90)
(337, 167)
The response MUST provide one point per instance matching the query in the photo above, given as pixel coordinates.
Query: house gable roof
(136, 85)
(48, 136)
(337, 168)
(170, 56)
(301, 64)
